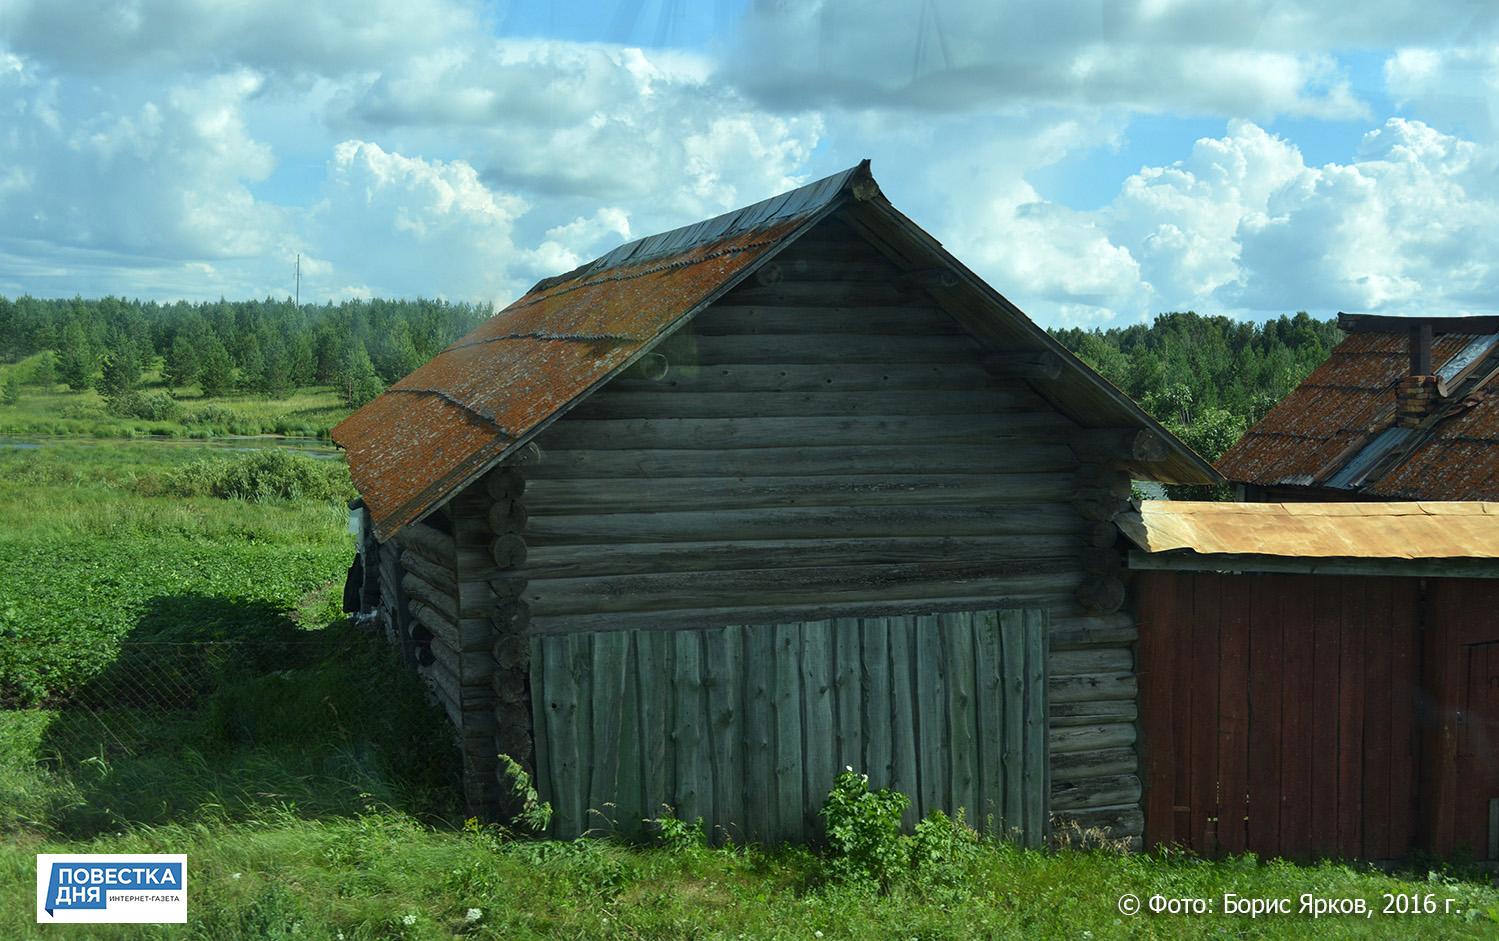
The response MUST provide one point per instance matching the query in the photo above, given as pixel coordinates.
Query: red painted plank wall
(1278, 713)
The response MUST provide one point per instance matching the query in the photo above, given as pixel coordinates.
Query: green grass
(314, 789)
(309, 412)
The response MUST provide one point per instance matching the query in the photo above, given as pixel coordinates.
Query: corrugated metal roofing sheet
(1427, 530)
(1337, 427)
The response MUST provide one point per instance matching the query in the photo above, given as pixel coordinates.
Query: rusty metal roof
(1337, 431)
(1416, 530)
(454, 417)
(441, 427)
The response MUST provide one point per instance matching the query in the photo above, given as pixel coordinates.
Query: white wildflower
(473, 914)
(408, 919)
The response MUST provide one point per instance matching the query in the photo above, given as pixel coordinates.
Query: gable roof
(1337, 430)
(440, 428)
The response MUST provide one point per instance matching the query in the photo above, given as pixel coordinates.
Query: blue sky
(1097, 160)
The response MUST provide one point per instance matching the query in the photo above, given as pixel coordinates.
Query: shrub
(863, 830)
(151, 406)
(211, 415)
(944, 851)
(261, 476)
(677, 835)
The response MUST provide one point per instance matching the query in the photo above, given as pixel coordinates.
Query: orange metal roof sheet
(1425, 530)
(1323, 423)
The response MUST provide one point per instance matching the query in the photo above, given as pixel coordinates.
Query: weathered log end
(1101, 594)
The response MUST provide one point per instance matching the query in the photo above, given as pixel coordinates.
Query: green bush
(151, 406)
(863, 830)
(261, 476)
(211, 415)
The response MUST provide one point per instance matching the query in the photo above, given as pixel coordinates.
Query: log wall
(827, 443)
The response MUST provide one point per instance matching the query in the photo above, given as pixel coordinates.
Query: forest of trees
(268, 347)
(1206, 378)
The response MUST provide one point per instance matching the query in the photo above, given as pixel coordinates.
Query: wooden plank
(833, 292)
(752, 378)
(1092, 686)
(1093, 763)
(1074, 738)
(904, 743)
(542, 773)
(724, 319)
(694, 779)
(759, 750)
(1105, 687)
(1204, 658)
(854, 583)
(814, 348)
(1062, 715)
(610, 662)
(574, 496)
(1404, 628)
(1327, 625)
(645, 558)
(631, 434)
(1265, 666)
(800, 522)
(1351, 720)
(848, 698)
(733, 404)
(560, 706)
(629, 797)
(1378, 649)
(724, 659)
(580, 662)
(1037, 764)
(962, 751)
(1181, 731)
(1012, 645)
(790, 796)
(653, 664)
(1235, 601)
(875, 690)
(932, 735)
(818, 731)
(989, 723)
(1297, 729)
(808, 459)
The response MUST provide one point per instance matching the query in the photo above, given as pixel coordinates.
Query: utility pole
(299, 280)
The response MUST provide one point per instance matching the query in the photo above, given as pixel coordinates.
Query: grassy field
(307, 412)
(176, 677)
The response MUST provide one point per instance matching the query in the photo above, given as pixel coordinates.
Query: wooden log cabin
(739, 505)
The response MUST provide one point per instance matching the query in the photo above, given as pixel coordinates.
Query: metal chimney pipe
(1420, 349)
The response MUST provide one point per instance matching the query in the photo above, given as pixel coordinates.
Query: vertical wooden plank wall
(1278, 713)
(828, 444)
(746, 727)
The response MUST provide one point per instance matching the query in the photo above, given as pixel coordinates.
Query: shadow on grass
(223, 709)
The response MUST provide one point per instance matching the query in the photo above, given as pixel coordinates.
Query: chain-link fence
(155, 694)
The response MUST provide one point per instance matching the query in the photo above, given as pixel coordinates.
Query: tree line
(269, 347)
(1207, 378)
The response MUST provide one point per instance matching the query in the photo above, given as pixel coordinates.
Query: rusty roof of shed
(1413, 530)
(440, 428)
(1337, 429)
